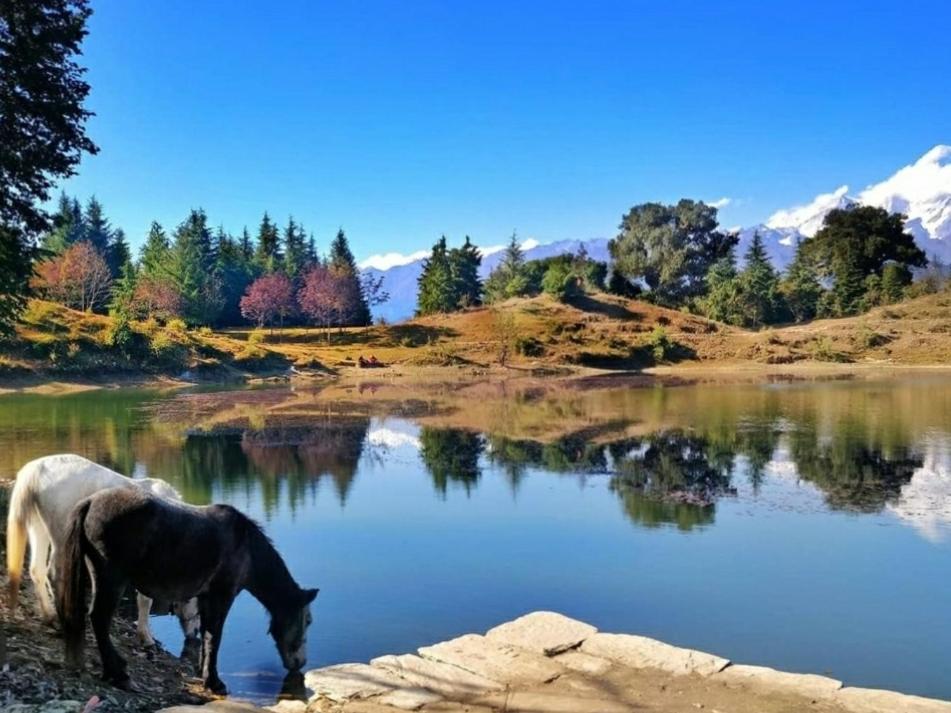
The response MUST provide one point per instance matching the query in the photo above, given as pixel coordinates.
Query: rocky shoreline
(545, 662)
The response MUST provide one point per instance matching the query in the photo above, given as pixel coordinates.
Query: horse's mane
(272, 581)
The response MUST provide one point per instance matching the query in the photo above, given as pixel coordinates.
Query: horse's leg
(108, 590)
(187, 613)
(144, 605)
(39, 569)
(212, 610)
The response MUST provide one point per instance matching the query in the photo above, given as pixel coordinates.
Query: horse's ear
(310, 595)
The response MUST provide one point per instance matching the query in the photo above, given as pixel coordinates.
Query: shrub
(176, 327)
(824, 350)
(205, 331)
(529, 347)
(256, 337)
(659, 343)
(39, 312)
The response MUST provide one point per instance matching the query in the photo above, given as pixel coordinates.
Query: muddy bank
(32, 675)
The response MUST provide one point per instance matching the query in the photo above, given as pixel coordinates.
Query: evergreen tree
(510, 278)
(724, 300)
(895, 280)
(437, 287)
(235, 273)
(96, 226)
(760, 286)
(192, 269)
(247, 247)
(267, 255)
(464, 263)
(67, 226)
(118, 252)
(42, 130)
(123, 291)
(342, 262)
(800, 286)
(312, 257)
(154, 257)
(295, 250)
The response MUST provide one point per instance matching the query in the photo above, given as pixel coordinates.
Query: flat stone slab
(351, 680)
(497, 662)
(804, 684)
(583, 663)
(641, 652)
(443, 678)
(537, 702)
(409, 699)
(543, 632)
(871, 700)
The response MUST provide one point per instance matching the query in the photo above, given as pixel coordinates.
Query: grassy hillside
(599, 332)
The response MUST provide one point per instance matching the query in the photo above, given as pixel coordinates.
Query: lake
(805, 526)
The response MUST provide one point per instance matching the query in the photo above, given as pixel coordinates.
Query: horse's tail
(22, 509)
(71, 594)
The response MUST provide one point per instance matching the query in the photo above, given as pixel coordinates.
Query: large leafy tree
(269, 300)
(42, 128)
(855, 244)
(670, 248)
(437, 287)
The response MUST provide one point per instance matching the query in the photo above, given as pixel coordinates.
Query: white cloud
(391, 438)
(720, 202)
(387, 260)
(525, 245)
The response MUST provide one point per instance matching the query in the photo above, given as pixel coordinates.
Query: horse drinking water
(173, 551)
(44, 494)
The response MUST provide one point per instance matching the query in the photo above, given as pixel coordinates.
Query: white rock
(870, 700)
(351, 680)
(436, 676)
(641, 652)
(544, 632)
(582, 662)
(543, 702)
(804, 684)
(507, 664)
(408, 699)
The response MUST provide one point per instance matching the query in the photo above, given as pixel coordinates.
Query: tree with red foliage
(156, 297)
(79, 278)
(327, 296)
(268, 299)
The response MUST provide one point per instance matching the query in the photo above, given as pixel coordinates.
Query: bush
(824, 350)
(256, 337)
(661, 346)
(39, 313)
(560, 282)
(177, 327)
(205, 331)
(529, 347)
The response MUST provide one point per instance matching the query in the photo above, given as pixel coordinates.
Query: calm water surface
(805, 527)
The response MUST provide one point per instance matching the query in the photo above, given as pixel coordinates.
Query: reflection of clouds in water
(393, 435)
(925, 502)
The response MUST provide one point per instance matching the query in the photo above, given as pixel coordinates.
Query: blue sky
(401, 121)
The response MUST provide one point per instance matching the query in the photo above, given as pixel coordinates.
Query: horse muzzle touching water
(175, 552)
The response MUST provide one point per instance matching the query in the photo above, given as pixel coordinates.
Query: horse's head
(289, 629)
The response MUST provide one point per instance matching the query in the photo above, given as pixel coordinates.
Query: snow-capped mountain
(921, 190)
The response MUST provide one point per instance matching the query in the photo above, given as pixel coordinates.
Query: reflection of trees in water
(651, 512)
(853, 470)
(451, 455)
(570, 454)
(286, 462)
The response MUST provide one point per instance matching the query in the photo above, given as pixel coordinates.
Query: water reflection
(670, 453)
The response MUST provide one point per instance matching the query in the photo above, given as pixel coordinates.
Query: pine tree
(724, 299)
(96, 226)
(295, 249)
(312, 257)
(155, 255)
(267, 255)
(437, 288)
(247, 247)
(760, 284)
(192, 263)
(510, 278)
(118, 252)
(800, 286)
(342, 262)
(895, 280)
(464, 263)
(67, 226)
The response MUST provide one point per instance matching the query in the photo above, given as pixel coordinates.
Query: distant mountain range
(921, 190)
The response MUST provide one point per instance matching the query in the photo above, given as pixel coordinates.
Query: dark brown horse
(174, 552)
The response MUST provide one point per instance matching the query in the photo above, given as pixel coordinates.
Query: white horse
(45, 493)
